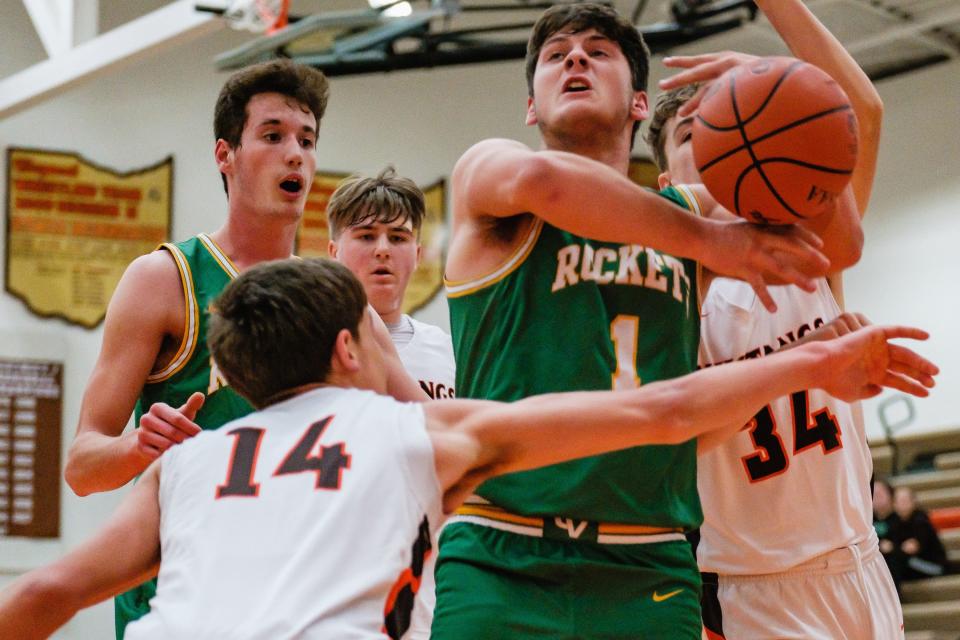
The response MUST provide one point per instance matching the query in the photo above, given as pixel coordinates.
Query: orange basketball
(775, 140)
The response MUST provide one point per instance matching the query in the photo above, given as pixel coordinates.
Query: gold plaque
(427, 279)
(73, 227)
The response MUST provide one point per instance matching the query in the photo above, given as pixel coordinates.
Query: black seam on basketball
(807, 165)
(762, 106)
(758, 139)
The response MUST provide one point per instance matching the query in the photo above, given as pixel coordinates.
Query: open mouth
(292, 185)
(382, 271)
(576, 86)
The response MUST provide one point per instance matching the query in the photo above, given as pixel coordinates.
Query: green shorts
(497, 584)
(132, 605)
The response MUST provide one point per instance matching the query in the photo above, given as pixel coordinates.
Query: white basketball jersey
(428, 358)
(795, 482)
(306, 520)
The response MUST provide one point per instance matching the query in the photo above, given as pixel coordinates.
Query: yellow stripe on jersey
(191, 322)
(693, 202)
(455, 289)
(219, 255)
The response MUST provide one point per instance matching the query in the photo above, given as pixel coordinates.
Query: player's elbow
(75, 477)
(849, 252)
(537, 184)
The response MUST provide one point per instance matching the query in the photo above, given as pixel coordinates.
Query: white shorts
(844, 594)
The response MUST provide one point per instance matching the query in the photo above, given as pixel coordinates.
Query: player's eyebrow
(272, 122)
(566, 35)
(688, 121)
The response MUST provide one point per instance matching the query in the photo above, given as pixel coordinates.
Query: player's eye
(272, 136)
(307, 143)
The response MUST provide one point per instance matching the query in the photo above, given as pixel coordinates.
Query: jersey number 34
(809, 429)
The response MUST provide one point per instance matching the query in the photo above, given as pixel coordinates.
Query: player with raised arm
(809, 567)
(263, 528)
(562, 274)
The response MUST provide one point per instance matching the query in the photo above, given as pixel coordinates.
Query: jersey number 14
(328, 465)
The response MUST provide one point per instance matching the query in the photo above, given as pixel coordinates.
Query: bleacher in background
(930, 465)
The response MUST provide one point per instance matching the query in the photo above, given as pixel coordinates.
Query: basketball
(775, 140)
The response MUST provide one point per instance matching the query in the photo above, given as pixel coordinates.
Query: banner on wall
(30, 415)
(427, 279)
(73, 227)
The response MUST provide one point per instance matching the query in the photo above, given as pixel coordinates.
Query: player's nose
(576, 57)
(294, 152)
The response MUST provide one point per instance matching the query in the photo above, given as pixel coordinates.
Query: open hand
(163, 426)
(764, 255)
(700, 69)
(863, 362)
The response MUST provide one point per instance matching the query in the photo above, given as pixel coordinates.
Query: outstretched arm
(491, 439)
(122, 555)
(504, 178)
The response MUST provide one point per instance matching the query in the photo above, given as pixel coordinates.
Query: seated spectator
(921, 546)
(908, 541)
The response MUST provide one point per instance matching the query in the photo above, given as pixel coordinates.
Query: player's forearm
(550, 429)
(592, 200)
(35, 605)
(98, 462)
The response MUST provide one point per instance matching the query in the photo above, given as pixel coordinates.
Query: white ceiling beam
(148, 35)
(63, 24)
(86, 21)
(48, 19)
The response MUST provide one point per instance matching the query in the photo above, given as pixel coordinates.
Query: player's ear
(531, 112)
(419, 254)
(663, 180)
(638, 106)
(224, 154)
(344, 358)
(332, 249)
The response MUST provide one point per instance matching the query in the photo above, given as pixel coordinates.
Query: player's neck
(611, 151)
(249, 241)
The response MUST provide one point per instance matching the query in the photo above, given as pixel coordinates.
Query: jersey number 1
(809, 429)
(328, 466)
(624, 332)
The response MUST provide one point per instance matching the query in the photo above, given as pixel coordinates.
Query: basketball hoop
(258, 16)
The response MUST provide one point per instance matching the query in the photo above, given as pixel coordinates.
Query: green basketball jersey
(567, 313)
(204, 271)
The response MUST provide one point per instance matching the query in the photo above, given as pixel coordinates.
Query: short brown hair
(274, 327)
(577, 17)
(387, 198)
(667, 106)
(306, 85)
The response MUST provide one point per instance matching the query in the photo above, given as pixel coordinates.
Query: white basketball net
(257, 15)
